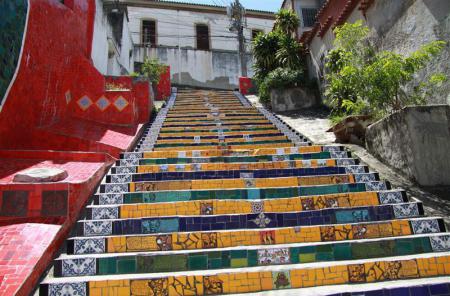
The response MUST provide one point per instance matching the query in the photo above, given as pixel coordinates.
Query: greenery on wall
(362, 81)
(278, 56)
(152, 69)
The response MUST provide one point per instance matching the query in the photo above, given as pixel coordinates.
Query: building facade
(194, 40)
(306, 10)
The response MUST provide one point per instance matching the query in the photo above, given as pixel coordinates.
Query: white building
(112, 45)
(306, 10)
(193, 39)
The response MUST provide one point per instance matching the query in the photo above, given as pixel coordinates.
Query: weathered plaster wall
(416, 141)
(218, 68)
(111, 57)
(199, 68)
(402, 26)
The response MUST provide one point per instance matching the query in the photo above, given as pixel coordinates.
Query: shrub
(286, 21)
(152, 69)
(277, 79)
(362, 81)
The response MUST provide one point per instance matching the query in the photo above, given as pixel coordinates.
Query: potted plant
(152, 70)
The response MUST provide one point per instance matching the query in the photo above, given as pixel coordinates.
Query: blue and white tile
(332, 148)
(355, 169)
(375, 186)
(345, 161)
(66, 289)
(406, 210)
(110, 199)
(390, 197)
(121, 178)
(126, 170)
(425, 226)
(116, 188)
(99, 213)
(89, 246)
(93, 228)
(78, 267)
(440, 243)
(365, 178)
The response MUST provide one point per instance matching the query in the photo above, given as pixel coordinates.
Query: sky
(267, 5)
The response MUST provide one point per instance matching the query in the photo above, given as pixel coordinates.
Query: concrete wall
(416, 141)
(199, 68)
(402, 26)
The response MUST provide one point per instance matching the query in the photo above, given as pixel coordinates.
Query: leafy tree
(289, 53)
(362, 81)
(265, 47)
(152, 69)
(287, 21)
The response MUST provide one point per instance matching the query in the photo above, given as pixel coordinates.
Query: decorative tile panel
(120, 103)
(425, 226)
(66, 289)
(406, 210)
(99, 213)
(92, 228)
(440, 243)
(102, 103)
(89, 246)
(84, 103)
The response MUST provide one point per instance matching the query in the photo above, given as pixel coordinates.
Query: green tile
(238, 254)
(342, 252)
(293, 254)
(239, 262)
(106, 266)
(216, 264)
(304, 258)
(198, 262)
(252, 258)
(324, 256)
(170, 263)
(126, 265)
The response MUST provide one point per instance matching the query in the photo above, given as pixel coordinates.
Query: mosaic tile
(273, 256)
(261, 220)
(120, 103)
(103, 103)
(84, 103)
(257, 207)
(79, 267)
(126, 170)
(364, 178)
(281, 280)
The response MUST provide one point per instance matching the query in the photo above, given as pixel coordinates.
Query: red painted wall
(57, 87)
(164, 86)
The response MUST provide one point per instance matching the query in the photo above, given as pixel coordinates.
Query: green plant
(289, 53)
(135, 74)
(362, 81)
(152, 69)
(265, 47)
(287, 21)
(278, 79)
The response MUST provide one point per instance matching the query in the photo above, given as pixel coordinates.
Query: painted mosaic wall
(13, 14)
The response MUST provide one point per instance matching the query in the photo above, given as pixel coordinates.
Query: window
(202, 36)
(309, 16)
(255, 32)
(149, 32)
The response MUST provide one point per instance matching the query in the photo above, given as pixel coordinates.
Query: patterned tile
(375, 186)
(390, 197)
(84, 103)
(126, 170)
(92, 228)
(257, 207)
(54, 203)
(110, 199)
(78, 267)
(355, 169)
(345, 161)
(116, 188)
(14, 203)
(262, 220)
(338, 154)
(440, 243)
(425, 226)
(281, 280)
(66, 289)
(89, 246)
(121, 178)
(406, 210)
(364, 178)
(120, 103)
(99, 213)
(103, 103)
(273, 256)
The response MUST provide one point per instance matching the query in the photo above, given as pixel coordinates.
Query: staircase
(222, 198)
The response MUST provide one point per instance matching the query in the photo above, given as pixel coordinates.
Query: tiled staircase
(223, 198)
